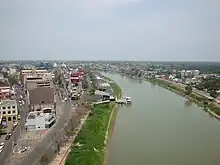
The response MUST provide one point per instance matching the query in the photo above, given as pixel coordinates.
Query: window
(14, 118)
(9, 112)
(4, 112)
(3, 107)
(13, 107)
(9, 107)
(13, 111)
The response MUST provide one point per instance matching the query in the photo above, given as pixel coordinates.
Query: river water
(161, 128)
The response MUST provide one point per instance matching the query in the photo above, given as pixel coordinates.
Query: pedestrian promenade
(65, 150)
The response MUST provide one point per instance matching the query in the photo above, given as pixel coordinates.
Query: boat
(128, 100)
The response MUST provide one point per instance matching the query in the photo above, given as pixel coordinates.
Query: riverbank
(111, 125)
(90, 144)
(194, 97)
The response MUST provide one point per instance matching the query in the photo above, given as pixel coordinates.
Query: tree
(214, 94)
(44, 160)
(188, 89)
(13, 79)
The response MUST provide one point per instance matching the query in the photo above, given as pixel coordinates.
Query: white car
(1, 150)
(15, 124)
(19, 117)
(2, 144)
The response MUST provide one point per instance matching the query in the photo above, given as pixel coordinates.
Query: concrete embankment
(195, 97)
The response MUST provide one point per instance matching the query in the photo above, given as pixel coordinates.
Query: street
(16, 133)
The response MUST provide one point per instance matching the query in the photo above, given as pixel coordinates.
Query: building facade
(39, 82)
(24, 74)
(9, 110)
(5, 92)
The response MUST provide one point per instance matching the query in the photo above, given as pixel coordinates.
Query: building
(39, 121)
(5, 90)
(9, 110)
(12, 70)
(101, 96)
(38, 82)
(196, 73)
(24, 74)
(41, 98)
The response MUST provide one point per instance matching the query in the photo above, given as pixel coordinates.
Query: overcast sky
(110, 30)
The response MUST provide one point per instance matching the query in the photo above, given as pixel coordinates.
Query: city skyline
(131, 30)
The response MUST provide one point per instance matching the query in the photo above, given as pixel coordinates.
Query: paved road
(15, 134)
(33, 157)
(50, 141)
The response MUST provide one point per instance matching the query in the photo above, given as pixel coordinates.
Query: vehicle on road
(2, 145)
(19, 117)
(1, 150)
(15, 124)
(9, 133)
(7, 137)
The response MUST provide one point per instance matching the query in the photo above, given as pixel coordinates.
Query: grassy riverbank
(91, 138)
(195, 97)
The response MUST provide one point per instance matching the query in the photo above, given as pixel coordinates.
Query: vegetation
(199, 99)
(188, 89)
(211, 84)
(91, 138)
(116, 89)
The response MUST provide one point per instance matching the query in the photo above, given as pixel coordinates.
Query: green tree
(214, 94)
(188, 89)
(44, 160)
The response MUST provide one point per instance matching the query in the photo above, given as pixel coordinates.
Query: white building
(12, 70)
(39, 121)
(196, 73)
(182, 73)
(188, 73)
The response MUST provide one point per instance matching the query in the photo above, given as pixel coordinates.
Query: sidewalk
(65, 150)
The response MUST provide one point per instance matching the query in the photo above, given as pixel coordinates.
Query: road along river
(161, 128)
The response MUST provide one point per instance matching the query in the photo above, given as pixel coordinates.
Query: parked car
(2, 145)
(15, 124)
(7, 137)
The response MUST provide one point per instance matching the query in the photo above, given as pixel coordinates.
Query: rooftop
(42, 96)
(4, 84)
(7, 102)
(97, 92)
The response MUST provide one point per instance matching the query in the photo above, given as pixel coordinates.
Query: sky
(137, 30)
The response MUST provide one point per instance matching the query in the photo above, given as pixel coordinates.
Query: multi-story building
(8, 110)
(24, 74)
(5, 90)
(38, 82)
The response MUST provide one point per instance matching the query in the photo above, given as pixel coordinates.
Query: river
(161, 128)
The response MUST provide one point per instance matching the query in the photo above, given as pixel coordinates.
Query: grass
(92, 138)
(195, 97)
(116, 89)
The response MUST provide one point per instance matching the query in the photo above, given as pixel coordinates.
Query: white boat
(128, 100)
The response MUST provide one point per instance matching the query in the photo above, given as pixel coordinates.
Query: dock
(121, 101)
